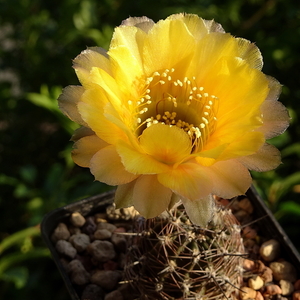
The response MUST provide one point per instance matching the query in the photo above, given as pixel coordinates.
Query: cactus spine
(172, 259)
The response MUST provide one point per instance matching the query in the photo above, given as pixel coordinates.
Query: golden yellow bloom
(175, 110)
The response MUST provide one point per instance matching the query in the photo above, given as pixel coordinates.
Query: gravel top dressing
(93, 252)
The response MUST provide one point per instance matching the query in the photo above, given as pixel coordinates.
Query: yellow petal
(175, 199)
(189, 180)
(106, 82)
(195, 25)
(126, 70)
(85, 148)
(91, 109)
(81, 132)
(163, 50)
(143, 23)
(250, 53)
(107, 167)
(150, 198)
(210, 49)
(138, 162)
(169, 145)
(265, 159)
(241, 91)
(129, 37)
(230, 178)
(245, 145)
(275, 88)
(68, 101)
(276, 118)
(213, 26)
(124, 195)
(89, 58)
(199, 211)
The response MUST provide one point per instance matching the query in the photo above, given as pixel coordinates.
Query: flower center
(178, 102)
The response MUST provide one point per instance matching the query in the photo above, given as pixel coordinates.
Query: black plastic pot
(92, 205)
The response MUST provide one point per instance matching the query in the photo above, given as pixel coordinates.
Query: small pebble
(114, 295)
(256, 283)
(102, 234)
(100, 217)
(259, 296)
(127, 291)
(248, 264)
(77, 219)
(86, 261)
(223, 202)
(287, 287)
(247, 293)
(246, 205)
(267, 275)
(92, 292)
(249, 244)
(270, 250)
(249, 233)
(74, 230)
(101, 251)
(80, 241)
(120, 230)
(61, 232)
(90, 226)
(241, 215)
(110, 265)
(66, 248)
(106, 279)
(259, 266)
(272, 289)
(234, 205)
(119, 241)
(297, 285)
(107, 226)
(78, 275)
(283, 270)
(296, 295)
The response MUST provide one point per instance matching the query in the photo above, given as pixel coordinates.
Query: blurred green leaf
(47, 99)
(291, 149)
(290, 209)
(4, 179)
(15, 258)
(28, 173)
(18, 238)
(17, 275)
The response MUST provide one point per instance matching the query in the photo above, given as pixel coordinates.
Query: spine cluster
(171, 258)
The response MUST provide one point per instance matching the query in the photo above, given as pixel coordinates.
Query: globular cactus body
(171, 258)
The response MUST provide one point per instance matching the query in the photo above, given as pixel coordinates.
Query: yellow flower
(175, 110)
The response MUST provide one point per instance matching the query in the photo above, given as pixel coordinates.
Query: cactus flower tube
(176, 110)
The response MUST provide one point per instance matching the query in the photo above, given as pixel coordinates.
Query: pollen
(177, 101)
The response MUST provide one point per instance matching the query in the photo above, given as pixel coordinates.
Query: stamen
(179, 102)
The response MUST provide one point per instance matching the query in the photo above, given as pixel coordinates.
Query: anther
(204, 120)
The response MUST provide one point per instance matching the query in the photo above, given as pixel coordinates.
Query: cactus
(170, 258)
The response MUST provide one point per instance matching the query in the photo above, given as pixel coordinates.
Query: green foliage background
(38, 40)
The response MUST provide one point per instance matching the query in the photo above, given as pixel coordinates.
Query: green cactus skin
(172, 259)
